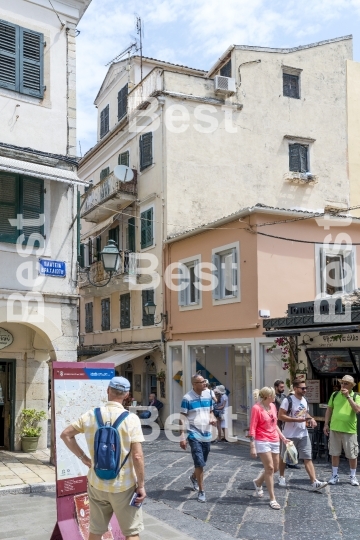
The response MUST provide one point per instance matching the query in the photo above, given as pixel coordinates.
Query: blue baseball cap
(120, 383)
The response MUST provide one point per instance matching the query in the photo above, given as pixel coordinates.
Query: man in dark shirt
(153, 402)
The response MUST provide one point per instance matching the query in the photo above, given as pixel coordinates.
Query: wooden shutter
(32, 206)
(105, 314)
(216, 276)
(147, 296)
(349, 271)
(183, 293)
(9, 196)
(81, 257)
(146, 228)
(294, 157)
(131, 234)
(122, 102)
(303, 154)
(124, 158)
(114, 235)
(89, 317)
(31, 63)
(125, 310)
(9, 55)
(146, 158)
(104, 121)
(90, 249)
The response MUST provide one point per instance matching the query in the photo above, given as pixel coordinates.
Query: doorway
(7, 404)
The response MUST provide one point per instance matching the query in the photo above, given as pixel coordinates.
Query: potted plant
(30, 429)
(161, 375)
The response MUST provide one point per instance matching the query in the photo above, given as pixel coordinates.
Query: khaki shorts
(346, 441)
(104, 504)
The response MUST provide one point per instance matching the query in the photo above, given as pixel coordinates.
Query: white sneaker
(354, 481)
(316, 486)
(194, 483)
(334, 480)
(282, 481)
(201, 496)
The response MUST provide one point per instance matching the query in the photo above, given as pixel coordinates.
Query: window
(336, 270)
(189, 295)
(90, 250)
(225, 71)
(81, 256)
(291, 85)
(21, 60)
(104, 173)
(98, 247)
(114, 235)
(146, 157)
(24, 196)
(89, 317)
(105, 314)
(131, 234)
(125, 310)
(104, 122)
(147, 296)
(147, 228)
(226, 273)
(124, 158)
(298, 158)
(122, 102)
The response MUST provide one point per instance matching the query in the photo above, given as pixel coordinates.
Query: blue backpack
(107, 447)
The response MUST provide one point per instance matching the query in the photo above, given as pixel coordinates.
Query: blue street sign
(52, 268)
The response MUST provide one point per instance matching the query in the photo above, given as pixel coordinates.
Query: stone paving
(17, 468)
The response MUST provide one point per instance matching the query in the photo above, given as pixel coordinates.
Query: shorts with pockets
(346, 441)
(199, 451)
(265, 446)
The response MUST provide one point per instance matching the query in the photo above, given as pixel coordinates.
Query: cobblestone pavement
(231, 509)
(17, 468)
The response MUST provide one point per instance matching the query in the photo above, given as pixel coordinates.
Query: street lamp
(150, 309)
(110, 257)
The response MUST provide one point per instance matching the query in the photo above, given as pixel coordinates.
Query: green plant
(30, 419)
(161, 375)
(287, 348)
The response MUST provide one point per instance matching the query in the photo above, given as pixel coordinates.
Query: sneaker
(316, 486)
(334, 480)
(201, 496)
(354, 481)
(292, 466)
(282, 481)
(194, 483)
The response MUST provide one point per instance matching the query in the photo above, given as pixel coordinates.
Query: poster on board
(77, 388)
(313, 391)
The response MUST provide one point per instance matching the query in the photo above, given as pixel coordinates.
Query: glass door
(7, 404)
(242, 393)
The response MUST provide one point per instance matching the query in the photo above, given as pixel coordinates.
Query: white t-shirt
(299, 409)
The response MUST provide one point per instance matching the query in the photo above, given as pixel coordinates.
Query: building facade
(38, 201)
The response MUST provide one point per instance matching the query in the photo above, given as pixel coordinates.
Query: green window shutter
(31, 63)
(104, 173)
(98, 247)
(131, 234)
(125, 310)
(114, 235)
(122, 102)
(9, 196)
(124, 158)
(147, 296)
(146, 157)
(146, 228)
(105, 314)
(9, 55)
(90, 248)
(32, 206)
(81, 257)
(104, 122)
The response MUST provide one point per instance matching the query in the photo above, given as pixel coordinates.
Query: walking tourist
(197, 411)
(340, 415)
(264, 434)
(223, 420)
(294, 411)
(113, 496)
(279, 386)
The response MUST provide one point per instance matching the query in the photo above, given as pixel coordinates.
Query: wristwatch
(348, 397)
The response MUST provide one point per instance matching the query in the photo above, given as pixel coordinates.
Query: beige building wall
(353, 112)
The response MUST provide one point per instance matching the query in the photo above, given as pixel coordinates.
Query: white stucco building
(38, 201)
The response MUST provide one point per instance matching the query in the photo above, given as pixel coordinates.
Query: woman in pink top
(265, 438)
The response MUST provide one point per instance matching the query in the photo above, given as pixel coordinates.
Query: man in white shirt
(294, 411)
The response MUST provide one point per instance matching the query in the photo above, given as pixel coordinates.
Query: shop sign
(313, 391)
(6, 338)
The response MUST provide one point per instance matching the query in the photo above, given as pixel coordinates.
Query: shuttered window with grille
(20, 195)
(124, 158)
(125, 310)
(147, 296)
(146, 154)
(298, 158)
(105, 314)
(147, 227)
(89, 317)
(104, 122)
(21, 59)
(122, 102)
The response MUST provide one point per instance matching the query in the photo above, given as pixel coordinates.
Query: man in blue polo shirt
(197, 409)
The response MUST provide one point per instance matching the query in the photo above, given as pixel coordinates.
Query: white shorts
(265, 446)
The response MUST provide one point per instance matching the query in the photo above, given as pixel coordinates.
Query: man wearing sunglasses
(342, 409)
(295, 414)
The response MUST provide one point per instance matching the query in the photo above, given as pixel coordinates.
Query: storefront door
(7, 404)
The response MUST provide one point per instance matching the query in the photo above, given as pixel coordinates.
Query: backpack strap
(289, 404)
(120, 419)
(98, 417)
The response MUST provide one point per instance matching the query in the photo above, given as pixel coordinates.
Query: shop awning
(97, 229)
(36, 170)
(119, 357)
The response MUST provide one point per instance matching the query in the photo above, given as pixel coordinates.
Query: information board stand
(77, 388)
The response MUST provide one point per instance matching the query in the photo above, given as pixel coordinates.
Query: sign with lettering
(6, 338)
(52, 268)
(313, 391)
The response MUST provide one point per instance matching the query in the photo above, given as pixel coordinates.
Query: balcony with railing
(107, 197)
(127, 267)
(150, 86)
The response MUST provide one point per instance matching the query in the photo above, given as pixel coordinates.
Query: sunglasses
(302, 387)
(199, 382)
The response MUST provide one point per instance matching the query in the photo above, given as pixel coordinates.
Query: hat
(120, 383)
(221, 389)
(347, 378)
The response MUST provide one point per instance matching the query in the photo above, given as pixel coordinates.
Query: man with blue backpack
(116, 463)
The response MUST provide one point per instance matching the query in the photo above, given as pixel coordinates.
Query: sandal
(275, 505)
(259, 490)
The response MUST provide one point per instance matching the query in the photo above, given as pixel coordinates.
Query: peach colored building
(262, 259)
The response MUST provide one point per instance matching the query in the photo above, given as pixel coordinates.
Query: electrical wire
(295, 239)
(58, 16)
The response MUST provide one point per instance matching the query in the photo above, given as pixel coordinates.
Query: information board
(77, 388)
(313, 391)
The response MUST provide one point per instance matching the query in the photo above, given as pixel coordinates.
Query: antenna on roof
(127, 50)
(139, 32)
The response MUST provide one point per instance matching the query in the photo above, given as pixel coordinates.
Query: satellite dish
(123, 173)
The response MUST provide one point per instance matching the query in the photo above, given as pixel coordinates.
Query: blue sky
(196, 33)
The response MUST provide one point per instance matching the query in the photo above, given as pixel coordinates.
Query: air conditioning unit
(224, 85)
